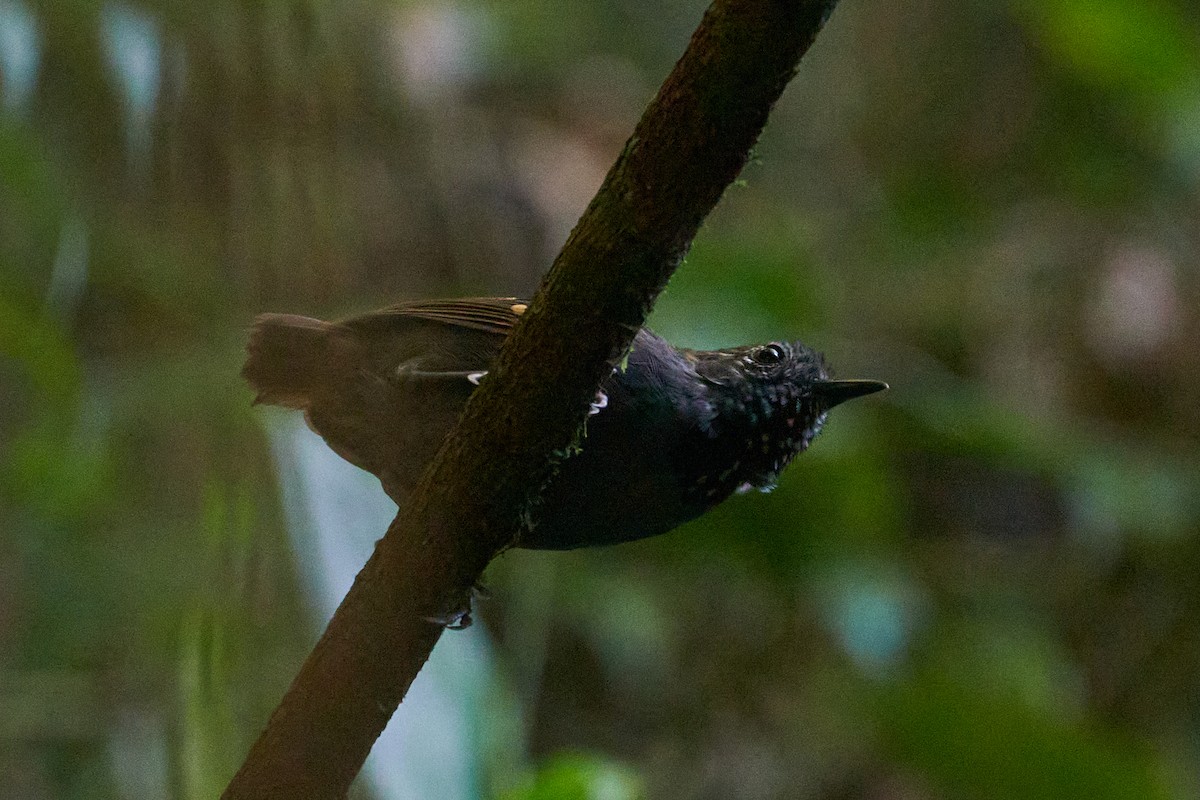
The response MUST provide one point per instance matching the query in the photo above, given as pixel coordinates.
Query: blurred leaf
(580, 777)
(1143, 48)
(60, 472)
(1113, 490)
(34, 203)
(55, 461)
(44, 353)
(212, 745)
(975, 744)
(1007, 652)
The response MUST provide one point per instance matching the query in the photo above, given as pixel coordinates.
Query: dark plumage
(671, 435)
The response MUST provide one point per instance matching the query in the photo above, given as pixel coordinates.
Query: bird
(671, 433)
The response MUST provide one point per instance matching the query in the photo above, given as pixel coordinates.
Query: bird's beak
(836, 392)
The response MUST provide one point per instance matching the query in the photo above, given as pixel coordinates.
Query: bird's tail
(288, 359)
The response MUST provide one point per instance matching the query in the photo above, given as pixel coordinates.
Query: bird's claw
(458, 615)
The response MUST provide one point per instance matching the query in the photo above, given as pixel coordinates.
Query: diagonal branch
(692, 141)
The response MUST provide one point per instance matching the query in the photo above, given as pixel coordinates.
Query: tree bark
(481, 488)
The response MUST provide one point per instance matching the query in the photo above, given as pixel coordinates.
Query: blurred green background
(984, 584)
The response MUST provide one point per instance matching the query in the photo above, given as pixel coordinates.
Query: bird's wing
(411, 368)
(491, 314)
(435, 339)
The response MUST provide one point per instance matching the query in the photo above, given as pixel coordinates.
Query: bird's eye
(769, 354)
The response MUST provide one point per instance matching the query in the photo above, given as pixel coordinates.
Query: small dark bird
(672, 432)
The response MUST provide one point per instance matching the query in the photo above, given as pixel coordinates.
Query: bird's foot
(457, 615)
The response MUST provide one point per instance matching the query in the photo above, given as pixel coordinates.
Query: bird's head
(771, 400)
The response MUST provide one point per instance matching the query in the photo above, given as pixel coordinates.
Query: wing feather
(491, 314)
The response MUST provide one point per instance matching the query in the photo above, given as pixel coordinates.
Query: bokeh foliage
(983, 585)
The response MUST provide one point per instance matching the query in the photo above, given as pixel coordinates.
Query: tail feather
(288, 359)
